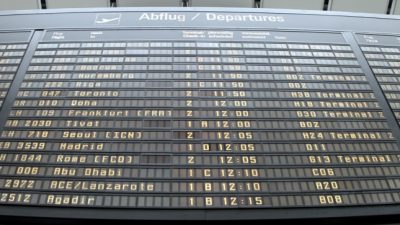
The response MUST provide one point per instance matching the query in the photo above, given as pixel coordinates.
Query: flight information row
(196, 93)
(188, 68)
(195, 186)
(160, 172)
(99, 76)
(173, 113)
(218, 104)
(205, 147)
(133, 135)
(345, 59)
(196, 160)
(191, 84)
(202, 201)
(265, 124)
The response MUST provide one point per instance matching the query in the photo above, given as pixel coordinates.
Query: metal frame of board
(370, 213)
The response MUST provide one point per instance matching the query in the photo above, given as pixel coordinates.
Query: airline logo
(108, 19)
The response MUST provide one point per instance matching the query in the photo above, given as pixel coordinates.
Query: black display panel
(153, 120)
(12, 49)
(383, 55)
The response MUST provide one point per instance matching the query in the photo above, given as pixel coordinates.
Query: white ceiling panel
(19, 4)
(293, 4)
(366, 6)
(222, 3)
(396, 6)
(52, 4)
(149, 3)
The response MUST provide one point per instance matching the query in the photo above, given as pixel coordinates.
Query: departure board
(153, 114)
